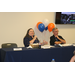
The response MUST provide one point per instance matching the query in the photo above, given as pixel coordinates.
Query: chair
(9, 45)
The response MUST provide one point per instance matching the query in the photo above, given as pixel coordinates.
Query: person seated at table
(56, 39)
(30, 38)
(73, 58)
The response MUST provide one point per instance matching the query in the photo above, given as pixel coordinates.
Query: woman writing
(30, 38)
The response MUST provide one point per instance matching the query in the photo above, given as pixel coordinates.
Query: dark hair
(27, 34)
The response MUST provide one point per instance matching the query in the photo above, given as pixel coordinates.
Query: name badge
(17, 49)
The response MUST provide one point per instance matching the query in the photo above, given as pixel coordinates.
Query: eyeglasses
(56, 31)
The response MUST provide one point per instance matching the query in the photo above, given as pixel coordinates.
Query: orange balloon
(38, 24)
(50, 26)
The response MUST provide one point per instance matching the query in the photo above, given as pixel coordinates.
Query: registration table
(60, 54)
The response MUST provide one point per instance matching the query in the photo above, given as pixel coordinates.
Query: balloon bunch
(45, 26)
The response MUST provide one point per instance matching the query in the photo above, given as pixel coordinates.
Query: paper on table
(29, 47)
(46, 46)
(66, 44)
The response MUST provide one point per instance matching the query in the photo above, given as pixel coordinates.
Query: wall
(13, 27)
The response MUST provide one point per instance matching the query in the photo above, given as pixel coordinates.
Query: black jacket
(27, 39)
(52, 39)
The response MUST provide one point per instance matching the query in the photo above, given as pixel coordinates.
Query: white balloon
(55, 24)
(46, 22)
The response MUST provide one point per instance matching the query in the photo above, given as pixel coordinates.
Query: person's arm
(34, 38)
(52, 40)
(57, 42)
(44, 42)
(61, 40)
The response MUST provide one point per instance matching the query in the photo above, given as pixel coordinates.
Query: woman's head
(30, 32)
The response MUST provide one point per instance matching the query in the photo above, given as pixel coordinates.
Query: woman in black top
(30, 38)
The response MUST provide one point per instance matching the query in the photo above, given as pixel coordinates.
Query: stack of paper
(29, 46)
(46, 46)
(66, 44)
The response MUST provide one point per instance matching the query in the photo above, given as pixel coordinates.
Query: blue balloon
(41, 27)
(46, 28)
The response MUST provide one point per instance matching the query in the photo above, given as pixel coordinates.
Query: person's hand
(56, 43)
(35, 37)
(56, 36)
(31, 42)
(45, 42)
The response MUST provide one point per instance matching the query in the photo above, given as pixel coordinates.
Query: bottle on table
(53, 60)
